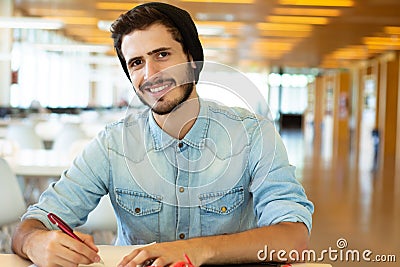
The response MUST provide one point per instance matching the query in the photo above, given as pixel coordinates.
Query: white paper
(111, 255)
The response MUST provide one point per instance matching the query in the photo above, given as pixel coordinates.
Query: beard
(162, 107)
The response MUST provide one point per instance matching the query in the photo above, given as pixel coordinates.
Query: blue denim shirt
(230, 173)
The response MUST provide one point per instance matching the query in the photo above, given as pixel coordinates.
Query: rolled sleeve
(40, 215)
(278, 196)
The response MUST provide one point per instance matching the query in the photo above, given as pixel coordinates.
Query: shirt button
(223, 209)
(180, 144)
(137, 210)
(182, 236)
(181, 189)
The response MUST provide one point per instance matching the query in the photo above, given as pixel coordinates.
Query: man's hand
(162, 254)
(54, 248)
(222, 249)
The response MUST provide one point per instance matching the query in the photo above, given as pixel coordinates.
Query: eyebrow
(155, 51)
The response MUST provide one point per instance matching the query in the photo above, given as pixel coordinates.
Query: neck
(180, 121)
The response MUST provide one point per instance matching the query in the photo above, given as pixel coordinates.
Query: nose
(150, 69)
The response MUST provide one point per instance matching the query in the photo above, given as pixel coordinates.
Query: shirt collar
(195, 137)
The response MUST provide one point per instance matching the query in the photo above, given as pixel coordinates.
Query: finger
(143, 256)
(159, 262)
(125, 260)
(81, 248)
(68, 257)
(59, 255)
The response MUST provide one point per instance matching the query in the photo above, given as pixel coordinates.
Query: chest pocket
(141, 211)
(220, 211)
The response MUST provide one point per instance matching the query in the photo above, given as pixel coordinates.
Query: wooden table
(12, 260)
(113, 254)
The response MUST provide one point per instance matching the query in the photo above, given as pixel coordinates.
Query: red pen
(188, 263)
(54, 219)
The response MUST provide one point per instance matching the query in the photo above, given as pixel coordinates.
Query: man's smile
(158, 88)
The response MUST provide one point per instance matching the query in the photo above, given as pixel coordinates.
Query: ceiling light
(104, 25)
(210, 30)
(74, 48)
(270, 45)
(99, 40)
(392, 30)
(87, 31)
(319, 12)
(221, 1)
(377, 48)
(294, 34)
(381, 41)
(225, 24)
(214, 28)
(215, 16)
(30, 23)
(219, 42)
(283, 27)
(58, 12)
(77, 20)
(115, 5)
(298, 20)
(337, 3)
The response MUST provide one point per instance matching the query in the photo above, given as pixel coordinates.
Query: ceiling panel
(257, 32)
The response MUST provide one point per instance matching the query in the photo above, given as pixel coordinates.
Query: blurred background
(326, 71)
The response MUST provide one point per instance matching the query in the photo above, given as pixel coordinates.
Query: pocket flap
(222, 202)
(138, 203)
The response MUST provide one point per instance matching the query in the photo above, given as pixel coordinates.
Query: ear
(191, 61)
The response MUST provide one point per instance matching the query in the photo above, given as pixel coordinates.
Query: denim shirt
(230, 173)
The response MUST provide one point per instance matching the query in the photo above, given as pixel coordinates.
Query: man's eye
(136, 63)
(163, 54)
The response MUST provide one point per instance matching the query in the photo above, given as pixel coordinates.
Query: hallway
(351, 202)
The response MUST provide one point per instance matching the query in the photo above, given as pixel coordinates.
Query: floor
(356, 209)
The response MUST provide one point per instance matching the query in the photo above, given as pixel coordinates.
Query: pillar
(357, 104)
(318, 113)
(397, 159)
(341, 115)
(5, 54)
(385, 200)
(387, 114)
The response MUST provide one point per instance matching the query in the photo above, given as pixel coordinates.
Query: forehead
(140, 42)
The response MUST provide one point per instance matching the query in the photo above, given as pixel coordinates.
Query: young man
(191, 175)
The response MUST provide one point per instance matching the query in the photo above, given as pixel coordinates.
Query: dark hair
(176, 20)
(140, 19)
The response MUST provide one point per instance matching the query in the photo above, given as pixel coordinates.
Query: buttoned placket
(182, 194)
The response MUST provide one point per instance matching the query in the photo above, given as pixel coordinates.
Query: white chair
(49, 129)
(101, 222)
(12, 205)
(70, 133)
(24, 136)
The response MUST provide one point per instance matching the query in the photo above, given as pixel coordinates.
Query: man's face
(158, 68)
